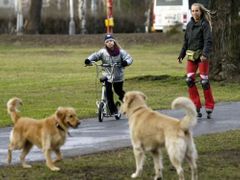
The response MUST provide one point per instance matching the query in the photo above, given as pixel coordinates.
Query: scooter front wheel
(100, 112)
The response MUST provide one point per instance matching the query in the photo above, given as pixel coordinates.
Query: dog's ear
(60, 113)
(125, 98)
(129, 100)
(143, 95)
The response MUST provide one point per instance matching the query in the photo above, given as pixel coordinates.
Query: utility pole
(19, 28)
(72, 30)
(109, 21)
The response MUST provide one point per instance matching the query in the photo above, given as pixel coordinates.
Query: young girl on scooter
(112, 53)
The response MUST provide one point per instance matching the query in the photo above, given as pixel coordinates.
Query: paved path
(92, 136)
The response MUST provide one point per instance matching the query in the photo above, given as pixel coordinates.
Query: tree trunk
(32, 24)
(225, 60)
(82, 15)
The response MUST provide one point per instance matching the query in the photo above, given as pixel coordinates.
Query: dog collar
(62, 129)
(59, 127)
(135, 110)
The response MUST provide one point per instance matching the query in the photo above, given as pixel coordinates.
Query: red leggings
(203, 66)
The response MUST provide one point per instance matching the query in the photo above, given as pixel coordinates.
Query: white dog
(151, 130)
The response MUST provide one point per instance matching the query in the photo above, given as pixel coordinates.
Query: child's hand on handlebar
(124, 63)
(87, 62)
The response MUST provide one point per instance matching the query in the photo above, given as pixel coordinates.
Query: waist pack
(193, 55)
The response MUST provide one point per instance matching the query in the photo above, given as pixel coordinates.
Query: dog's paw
(55, 168)
(158, 175)
(158, 178)
(134, 175)
(26, 166)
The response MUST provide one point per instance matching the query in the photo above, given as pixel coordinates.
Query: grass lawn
(48, 77)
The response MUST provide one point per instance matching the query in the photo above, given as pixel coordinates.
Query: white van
(167, 13)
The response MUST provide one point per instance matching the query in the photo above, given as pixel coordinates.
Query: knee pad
(190, 82)
(205, 84)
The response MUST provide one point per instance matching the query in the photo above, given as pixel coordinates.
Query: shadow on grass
(162, 78)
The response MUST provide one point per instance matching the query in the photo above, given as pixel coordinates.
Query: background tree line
(129, 16)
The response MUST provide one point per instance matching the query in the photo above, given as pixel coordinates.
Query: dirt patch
(93, 39)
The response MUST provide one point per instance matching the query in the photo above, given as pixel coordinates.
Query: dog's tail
(12, 110)
(190, 119)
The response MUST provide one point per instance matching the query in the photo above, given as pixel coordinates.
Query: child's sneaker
(117, 115)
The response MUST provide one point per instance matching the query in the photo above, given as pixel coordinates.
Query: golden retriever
(47, 134)
(151, 130)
